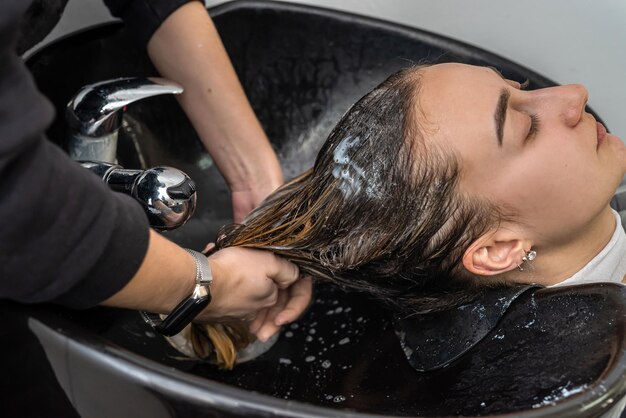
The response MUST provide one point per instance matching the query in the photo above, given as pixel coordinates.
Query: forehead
(450, 73)
(459, 95)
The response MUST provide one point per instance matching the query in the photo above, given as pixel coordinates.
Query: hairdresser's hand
(246, 198)
(291, 303)
(245, 282)
(216, 104)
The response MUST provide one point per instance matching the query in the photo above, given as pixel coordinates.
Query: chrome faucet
(94, 115)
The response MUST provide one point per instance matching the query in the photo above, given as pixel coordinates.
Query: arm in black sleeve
(64, 236)
(143, 17)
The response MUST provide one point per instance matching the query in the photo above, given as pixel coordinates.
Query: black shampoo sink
(555, 353)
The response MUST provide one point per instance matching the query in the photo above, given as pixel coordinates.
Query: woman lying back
(445, 179)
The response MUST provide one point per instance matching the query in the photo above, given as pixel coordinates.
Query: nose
(569, 102)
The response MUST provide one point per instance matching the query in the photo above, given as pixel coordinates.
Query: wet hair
(381, 211)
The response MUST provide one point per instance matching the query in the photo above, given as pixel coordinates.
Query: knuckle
(272, 298)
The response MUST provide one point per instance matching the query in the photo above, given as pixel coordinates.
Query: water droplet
(309, 359)
(344, 341)
(326, 364)
(339, 398)
(284, 361)
(288, 334)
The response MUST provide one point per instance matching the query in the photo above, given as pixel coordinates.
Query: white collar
(610, 263)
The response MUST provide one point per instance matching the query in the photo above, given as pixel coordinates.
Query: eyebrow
(500, 114)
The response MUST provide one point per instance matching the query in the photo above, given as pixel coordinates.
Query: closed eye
(534, 127)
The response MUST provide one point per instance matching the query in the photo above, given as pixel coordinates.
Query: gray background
(569, 41)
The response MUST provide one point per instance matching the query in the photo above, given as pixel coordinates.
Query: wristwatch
(190, 307)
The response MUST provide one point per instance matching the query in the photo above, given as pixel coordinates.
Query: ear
(495, 252)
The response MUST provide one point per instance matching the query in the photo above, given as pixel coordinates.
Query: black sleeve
(143, 17)
(64, 236)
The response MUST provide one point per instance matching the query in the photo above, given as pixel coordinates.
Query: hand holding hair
(248, 282)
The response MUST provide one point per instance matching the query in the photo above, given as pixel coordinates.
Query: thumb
(284, 273)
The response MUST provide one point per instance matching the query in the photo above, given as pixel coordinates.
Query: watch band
(188, 308)
(203, 270)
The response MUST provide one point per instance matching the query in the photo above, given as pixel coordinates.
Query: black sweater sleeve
(143, 17)
(64, 236)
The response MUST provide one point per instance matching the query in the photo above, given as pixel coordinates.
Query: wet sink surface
(343, 354)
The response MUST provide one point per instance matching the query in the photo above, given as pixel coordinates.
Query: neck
(559, 262)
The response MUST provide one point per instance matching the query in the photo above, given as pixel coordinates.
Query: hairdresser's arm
(187, 48)
(245, 281)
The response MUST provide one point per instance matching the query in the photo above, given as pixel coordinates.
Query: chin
(617, 152)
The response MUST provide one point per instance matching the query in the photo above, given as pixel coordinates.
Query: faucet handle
(97, 108)
(167, 195)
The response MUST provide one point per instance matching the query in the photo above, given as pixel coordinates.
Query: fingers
(290, 305)
(256, 282)
(269, 327)
(299, 298)
(256, 325)
(283, 272)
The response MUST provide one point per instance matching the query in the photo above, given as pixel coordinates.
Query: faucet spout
(94, 114)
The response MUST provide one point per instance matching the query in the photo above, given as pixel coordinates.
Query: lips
(601, 130)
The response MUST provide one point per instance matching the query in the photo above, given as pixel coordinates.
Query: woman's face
(537, 152)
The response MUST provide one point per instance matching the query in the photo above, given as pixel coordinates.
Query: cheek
(539, 183)
(557, 185)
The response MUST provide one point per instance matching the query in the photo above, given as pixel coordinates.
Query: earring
(528, 256)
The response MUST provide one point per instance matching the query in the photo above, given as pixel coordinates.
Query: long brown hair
(380, 212)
